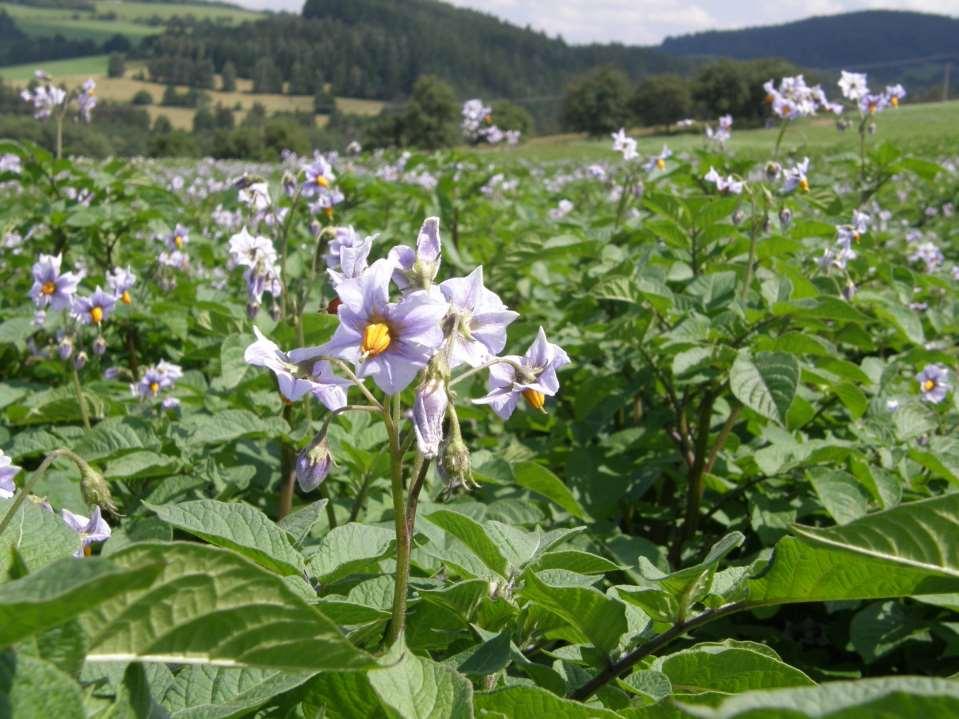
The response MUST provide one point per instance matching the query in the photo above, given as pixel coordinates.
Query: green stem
(80, 400)
(403, 547)
(779, 138)
(753, 241)
(287, 471)
(59, 135)
(34, 478)
(625, 663)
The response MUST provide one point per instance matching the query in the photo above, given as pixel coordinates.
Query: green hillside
(133, 20)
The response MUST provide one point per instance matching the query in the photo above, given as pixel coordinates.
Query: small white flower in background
(624, 145)
(795, 176)
(8, 470)
(94, 529)
(659, 161)
(853, 85)
(727, 185)
(256, 196)
(561, 210)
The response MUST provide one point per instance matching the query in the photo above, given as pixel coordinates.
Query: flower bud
(99, 345)
(39, 318)
(429, 411)
(252, 309)
(80, 360)
(773, 170)
(454, 464)
(65, 347)
(313, 464)
(738, 216)
(785, 217)
(95, 489)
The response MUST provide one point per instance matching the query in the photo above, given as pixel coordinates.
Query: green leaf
(765, 382)
(412, 687)
(141, 464)
(40, 537)
(237, 526)
(522, 702)
(212, 606)
(899, 552)
(881, 627)
(232, 365)
(539, 479)
(349, 549)
(205, 692)
(573, 560)
(31, 687)
(885, 697)
(298, 524)
(600, 619)
(727, 669)
(226, 426)
(474, 536)
(111, 438)
(63, 590)
(842, 496)
(490, 656)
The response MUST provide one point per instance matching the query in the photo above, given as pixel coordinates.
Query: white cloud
(647, 22)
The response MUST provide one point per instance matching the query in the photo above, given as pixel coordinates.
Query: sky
(647, 22)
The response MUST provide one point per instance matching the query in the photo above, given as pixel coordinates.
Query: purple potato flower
(313, 464)
(94, 529)
(120, 282)
(347, 255)
(323, 383)
(416, 269)
(8, 470)
(532, 376)
(388, 341)
(934, 383)
(93, 310)
(429, 411)
(477, 320)
(50, 288)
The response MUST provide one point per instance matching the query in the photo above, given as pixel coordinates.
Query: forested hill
(852, 39)
(377, 49)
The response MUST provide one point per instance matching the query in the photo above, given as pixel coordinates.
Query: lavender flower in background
(150, 385)
(319, 177)
(477, 320)
(177, 239)
(94, 529)
(45, 99)
(8, 470)
(723, 132)
(50, 288)
(347, 254)
(532, 377)
(726, 185)
(794, 98)
(86, 99)
(929, 254)
(255, 195)
(121, 281)
(934, 383)
(853, 85)
(561, 210)
(11, 163)
(659, 161)
(416, 269)
(795, 176)
(624, 145)
(96, 308)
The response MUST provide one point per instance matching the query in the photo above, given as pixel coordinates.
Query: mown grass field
(131, 18)
(928, 126)
(122, 89)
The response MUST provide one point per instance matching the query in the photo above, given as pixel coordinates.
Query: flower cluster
(318, 186)
(477, 125)
(794, 98)
(156, 379)
(722, 132)
(658, 162)
(428, 330)
(855, 88)
(728, 185)
(49, 99)
(624, 145)
(795, 176)
(257, 254)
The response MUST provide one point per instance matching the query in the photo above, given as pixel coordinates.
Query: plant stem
(626, 662)
(753, 241)
(59, 135)
(34, 478)
(403, 548)
(779, 137)
(695, 485)
(287, 471)
(80, 400)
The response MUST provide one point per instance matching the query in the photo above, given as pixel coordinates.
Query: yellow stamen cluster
(96, 314)
(125, 298)
(154, 388)
(804, 185)
(535, 399)
(376, 339)
(328, 211)
(48, 288)
(322, 181)
(929, 385)
(894, 101)
(660, 163)
(178, 241)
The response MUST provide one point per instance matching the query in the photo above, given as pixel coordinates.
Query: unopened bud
(99, 345)
(80, 360)
(95, 489)
(313, 464)
(773, 170)
(738, 216)
(429, 412)
(785, 217)
(65, 347)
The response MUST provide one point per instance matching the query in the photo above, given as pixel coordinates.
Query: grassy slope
(74, 72)
(130, 19)
(933, 126)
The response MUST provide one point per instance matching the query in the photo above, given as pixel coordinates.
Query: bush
(662, 100)
(116, 65)
(142, 97)
(598, 102)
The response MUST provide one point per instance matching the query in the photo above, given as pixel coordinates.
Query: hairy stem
(35, 477)
(403, 547)
(78, 389)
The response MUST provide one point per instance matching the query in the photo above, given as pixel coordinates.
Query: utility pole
(945, 81)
